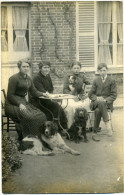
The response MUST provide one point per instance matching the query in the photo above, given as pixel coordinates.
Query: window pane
(105, 32)
(4, 30)
(119, 33)
(20, 17)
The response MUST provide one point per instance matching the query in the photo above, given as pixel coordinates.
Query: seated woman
(43, 83)
(74, 85)
(17, 107)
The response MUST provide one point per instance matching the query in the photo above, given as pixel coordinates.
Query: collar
(42, 75)
(104, 78)
(22, 76)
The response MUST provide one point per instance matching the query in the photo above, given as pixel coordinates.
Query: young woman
(43, 83)
(30, 119)
(75, 88)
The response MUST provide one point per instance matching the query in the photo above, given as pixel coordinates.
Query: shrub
(11, 159)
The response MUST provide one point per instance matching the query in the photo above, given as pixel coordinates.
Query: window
(15, 42)
(110, 33)
(99, 33)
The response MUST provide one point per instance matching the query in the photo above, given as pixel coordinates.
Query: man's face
(103, 72)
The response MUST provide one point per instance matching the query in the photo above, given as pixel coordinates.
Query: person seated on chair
(74, 85)
(102, 94)
(30, 119)
(43, 83)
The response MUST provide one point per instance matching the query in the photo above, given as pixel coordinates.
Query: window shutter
(85, 42)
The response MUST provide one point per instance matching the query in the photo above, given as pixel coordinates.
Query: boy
(102, 94)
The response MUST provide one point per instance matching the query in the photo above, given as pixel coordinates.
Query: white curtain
(120, 33)
(20, 22)
(4, 44)
(104, 26)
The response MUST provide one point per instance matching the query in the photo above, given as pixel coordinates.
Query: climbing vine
(39, 28)
(69, 19)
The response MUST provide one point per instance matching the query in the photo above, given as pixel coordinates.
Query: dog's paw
(76, 153)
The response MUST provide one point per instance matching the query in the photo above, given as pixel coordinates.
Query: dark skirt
(52, 110)
(30, 121)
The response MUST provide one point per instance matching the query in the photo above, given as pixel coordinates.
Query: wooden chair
(7, 123)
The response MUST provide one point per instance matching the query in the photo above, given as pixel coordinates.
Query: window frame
(114, 68)
(11, 56)
(114, 36)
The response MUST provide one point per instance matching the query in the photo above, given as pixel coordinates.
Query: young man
(102, 94)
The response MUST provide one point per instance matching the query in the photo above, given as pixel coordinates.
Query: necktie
(103, 79)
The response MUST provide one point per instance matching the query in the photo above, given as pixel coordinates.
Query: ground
(99, 168)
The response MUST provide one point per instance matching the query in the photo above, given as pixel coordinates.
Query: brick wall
(53, 37)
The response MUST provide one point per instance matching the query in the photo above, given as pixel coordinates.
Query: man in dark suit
(102, 94)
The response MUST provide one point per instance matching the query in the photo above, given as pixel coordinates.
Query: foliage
(11, 159)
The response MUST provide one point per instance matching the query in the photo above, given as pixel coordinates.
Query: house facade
(61, 31)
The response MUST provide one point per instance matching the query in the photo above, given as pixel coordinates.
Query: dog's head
(49, 128)
(81, 113)
(72, 79)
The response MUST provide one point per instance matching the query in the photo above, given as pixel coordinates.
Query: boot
(108, 128)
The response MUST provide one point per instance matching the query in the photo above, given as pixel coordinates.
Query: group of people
(24, 104)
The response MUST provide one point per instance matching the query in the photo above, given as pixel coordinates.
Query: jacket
(107, 90)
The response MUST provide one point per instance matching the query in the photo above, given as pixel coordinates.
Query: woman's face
(45, 70)
(24, 69)
(76, 69)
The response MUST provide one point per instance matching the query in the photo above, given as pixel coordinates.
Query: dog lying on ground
(54, 140)
(33, 146)
(77, 130)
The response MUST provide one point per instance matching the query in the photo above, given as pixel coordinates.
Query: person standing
(102, 94)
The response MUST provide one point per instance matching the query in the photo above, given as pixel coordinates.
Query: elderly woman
(43, 83)
(74, 85)
(30, 119)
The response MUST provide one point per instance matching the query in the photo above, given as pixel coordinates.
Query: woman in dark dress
(43, 83)
(30, 119)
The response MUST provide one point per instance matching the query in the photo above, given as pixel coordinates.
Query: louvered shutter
(86, 33)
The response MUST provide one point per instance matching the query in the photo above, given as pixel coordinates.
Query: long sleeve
(12, 98)
(113, 92)
(66, 86)
(43, 83)
(39, 86)
(85, 80)
(92, 92)
(34, 92)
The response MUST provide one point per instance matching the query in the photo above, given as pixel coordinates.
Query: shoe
(95, 137)
(99, 129)
(95, 130)
(110, 133)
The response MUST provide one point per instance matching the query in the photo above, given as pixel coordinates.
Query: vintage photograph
(62, 97)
